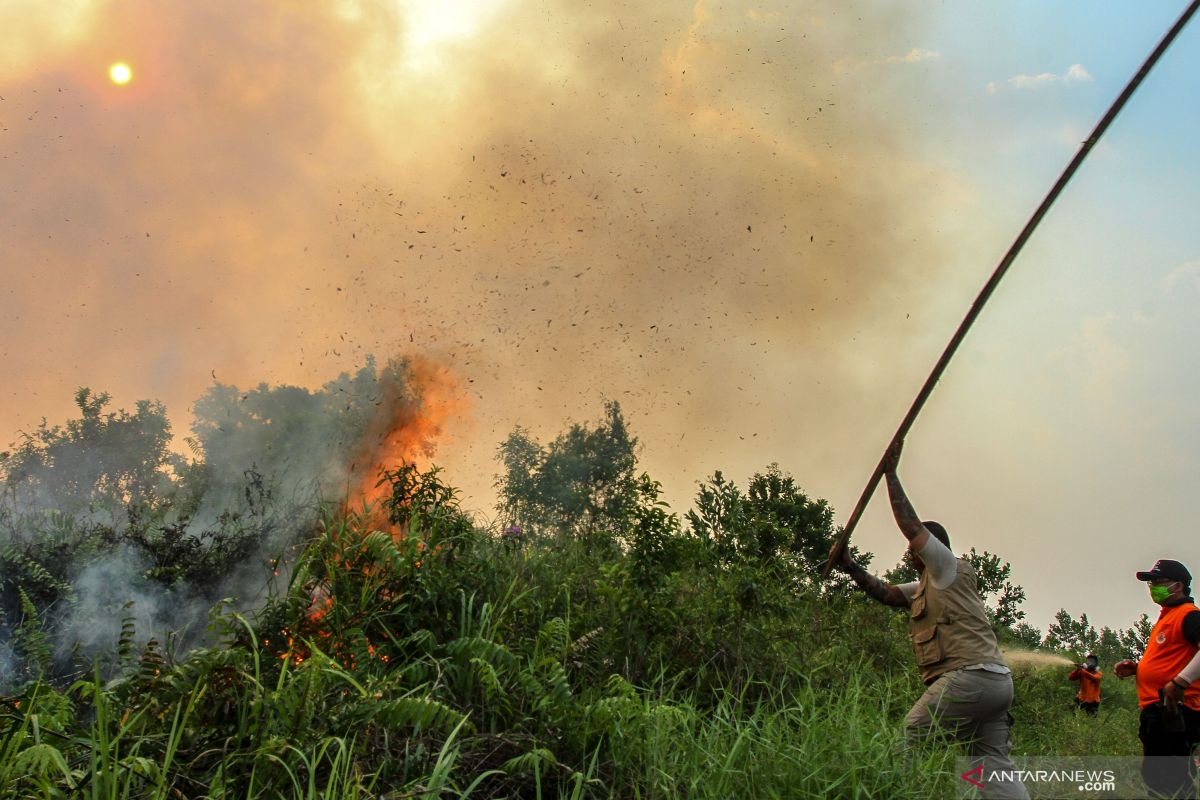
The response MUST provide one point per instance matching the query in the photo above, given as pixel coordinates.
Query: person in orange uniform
(1167, 683)
(1088, 675)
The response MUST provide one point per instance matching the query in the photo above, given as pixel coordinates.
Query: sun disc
(120, 73)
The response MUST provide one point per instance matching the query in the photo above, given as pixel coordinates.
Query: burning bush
(99, 511)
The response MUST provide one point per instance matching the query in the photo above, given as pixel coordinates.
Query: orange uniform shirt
(1089, 685)
(1167, 652)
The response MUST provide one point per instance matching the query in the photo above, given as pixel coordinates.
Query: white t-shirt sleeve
(908, 590)
(941, 563)
(1191, 673)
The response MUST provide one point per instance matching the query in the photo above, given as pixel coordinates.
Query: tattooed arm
(906, 517)
(875, 588)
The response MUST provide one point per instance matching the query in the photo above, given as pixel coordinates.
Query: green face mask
(1159, 594)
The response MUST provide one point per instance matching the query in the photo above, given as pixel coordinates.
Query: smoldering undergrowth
(104, 526)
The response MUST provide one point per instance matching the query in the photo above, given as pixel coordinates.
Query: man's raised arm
(906, 517)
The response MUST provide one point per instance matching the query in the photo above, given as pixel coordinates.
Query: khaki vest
(949, 627)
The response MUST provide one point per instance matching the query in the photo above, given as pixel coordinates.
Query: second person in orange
(1088, 675)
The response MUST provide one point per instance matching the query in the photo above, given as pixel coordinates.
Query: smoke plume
(100, 523)
(707, 211)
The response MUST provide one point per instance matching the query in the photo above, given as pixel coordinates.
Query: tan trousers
(972, 706)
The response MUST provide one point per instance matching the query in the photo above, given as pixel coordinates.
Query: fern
(21, 569)
(554, 637)
(489, 678)
(297, 703)
(39, 760)
(533, 762)
(125, 642)
(415, 673)
(422, 641)
(558, 687)
(381, 549)
(419, 713)
(30, 641)
(618, 686)
(468, 647)
(151, 663)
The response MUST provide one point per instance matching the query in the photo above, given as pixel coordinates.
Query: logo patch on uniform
(1161, 638)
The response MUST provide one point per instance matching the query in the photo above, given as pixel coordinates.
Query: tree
(903, 572)
(1025, 635)
(1134, 639)
(307, 444)
(654, 540)
(582, 483)
(1108, 647)
(69, 490)
(719, 514)
(586, 478)
(1076, 636)
(113, 463)
(521, 457)
(773, 525)
(992, 577)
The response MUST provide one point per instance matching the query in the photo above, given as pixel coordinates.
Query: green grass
(1047, 722)
(451, 665)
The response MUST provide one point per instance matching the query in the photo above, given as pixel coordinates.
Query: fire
(416, 402)
(411, 416)
(316, 628)
(320, 605)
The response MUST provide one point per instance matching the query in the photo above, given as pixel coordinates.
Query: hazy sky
(753, 224)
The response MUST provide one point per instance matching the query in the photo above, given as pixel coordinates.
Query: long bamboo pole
(984, 294)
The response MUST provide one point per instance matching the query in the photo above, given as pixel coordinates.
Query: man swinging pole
(970, 688)
(839, 547)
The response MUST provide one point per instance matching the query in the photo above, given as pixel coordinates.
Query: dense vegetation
(590, 644)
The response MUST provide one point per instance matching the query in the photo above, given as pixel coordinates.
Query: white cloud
(913, 56)
(1186, 274)
(1032, 81)
(1076, 73)
(1099, 351)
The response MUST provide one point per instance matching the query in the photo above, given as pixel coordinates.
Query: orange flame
(320, 605)
(416, 402)
(410, 418)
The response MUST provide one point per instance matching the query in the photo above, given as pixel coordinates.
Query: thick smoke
(7, 663)
(112, 589)
(99, 523)
(706, 211)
